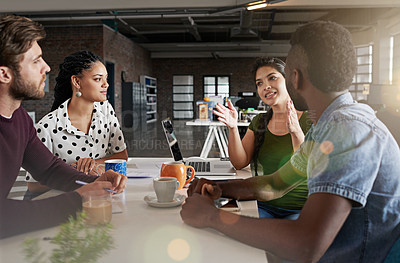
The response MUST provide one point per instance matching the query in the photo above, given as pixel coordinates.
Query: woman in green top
(271, 138)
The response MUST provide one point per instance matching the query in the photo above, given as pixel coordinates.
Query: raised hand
(292, 120)
(226, 115)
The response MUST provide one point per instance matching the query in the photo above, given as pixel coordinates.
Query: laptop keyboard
(201, 166)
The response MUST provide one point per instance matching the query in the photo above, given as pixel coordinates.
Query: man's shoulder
(353, 111)
(356, 117)
(22, 115)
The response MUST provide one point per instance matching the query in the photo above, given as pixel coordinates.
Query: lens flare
(326, 147)
(228, 218)
(169, 244)
(178, 249)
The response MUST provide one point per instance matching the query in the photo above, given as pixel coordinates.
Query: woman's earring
(78, 94)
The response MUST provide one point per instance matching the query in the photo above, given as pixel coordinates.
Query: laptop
(202, 166)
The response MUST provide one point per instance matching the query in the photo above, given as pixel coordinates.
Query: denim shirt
(350, 153)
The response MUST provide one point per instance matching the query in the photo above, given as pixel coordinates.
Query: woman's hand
(292, 120)
(226, 115)
(86, 165)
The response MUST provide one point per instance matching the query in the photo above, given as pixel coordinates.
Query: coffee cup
(97, 206)
(177, 170)
(117, 165)
(165, 188)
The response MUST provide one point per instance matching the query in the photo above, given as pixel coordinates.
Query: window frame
(216, 93)
(360, 89)
(176, 102)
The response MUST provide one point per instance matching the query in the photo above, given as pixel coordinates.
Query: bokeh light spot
(326, 147)
(178, 249)
(228, 218)
(159, 243)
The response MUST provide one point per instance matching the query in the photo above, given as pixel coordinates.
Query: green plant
(75, 243)
(244, 114)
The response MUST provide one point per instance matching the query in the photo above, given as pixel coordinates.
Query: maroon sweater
(19, 146)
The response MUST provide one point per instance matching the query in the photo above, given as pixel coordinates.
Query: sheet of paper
(142, 173)
(143, 170)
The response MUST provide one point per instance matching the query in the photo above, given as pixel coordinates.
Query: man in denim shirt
(349, 157)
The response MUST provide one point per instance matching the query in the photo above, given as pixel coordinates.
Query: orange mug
(177, 170)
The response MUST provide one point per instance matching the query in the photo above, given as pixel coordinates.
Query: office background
(211, 47)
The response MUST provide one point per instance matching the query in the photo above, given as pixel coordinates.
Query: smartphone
(231, 206)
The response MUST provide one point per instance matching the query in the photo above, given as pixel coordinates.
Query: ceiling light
(258, 6)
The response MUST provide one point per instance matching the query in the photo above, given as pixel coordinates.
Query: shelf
(151, 95)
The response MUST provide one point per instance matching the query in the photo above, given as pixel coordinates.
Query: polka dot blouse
(105, 136)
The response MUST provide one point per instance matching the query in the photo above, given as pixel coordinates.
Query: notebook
(202, 166)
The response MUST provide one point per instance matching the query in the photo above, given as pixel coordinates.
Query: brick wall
(239, 70)
(135, 61)
(126, 56)
(59, 43)
(108, 44)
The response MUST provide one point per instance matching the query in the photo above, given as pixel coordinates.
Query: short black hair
(331, 58)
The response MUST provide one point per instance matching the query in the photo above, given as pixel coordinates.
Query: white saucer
(151, 200)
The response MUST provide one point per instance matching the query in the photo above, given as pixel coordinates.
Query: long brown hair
(264, 119)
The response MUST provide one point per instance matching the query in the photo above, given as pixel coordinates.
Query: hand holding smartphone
(227, 204)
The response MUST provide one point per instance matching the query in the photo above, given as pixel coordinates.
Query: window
(182, 96)
(396, 60)
(363, 77)
(391, 60)
(216, 86)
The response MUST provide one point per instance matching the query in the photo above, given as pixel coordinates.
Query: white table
(216, 132)
(143, 233)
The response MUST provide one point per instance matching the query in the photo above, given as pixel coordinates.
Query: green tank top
(274, 153)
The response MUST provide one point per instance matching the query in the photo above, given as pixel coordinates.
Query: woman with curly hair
(82, 128)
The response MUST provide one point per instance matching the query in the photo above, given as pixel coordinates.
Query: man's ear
(297, 79)
(6, 75)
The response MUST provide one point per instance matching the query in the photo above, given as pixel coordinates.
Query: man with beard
(22, 75)
(349, 157)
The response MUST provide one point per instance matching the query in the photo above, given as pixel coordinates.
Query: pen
(139, 177)
(107, 189)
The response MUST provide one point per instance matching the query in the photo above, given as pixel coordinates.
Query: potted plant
(76, 242)
(243, 115)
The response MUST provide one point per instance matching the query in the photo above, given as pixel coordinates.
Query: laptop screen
(171, 139)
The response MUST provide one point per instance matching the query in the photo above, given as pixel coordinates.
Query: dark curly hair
(17, 35)
(73, 64)
(331, 58)
(259, 135)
